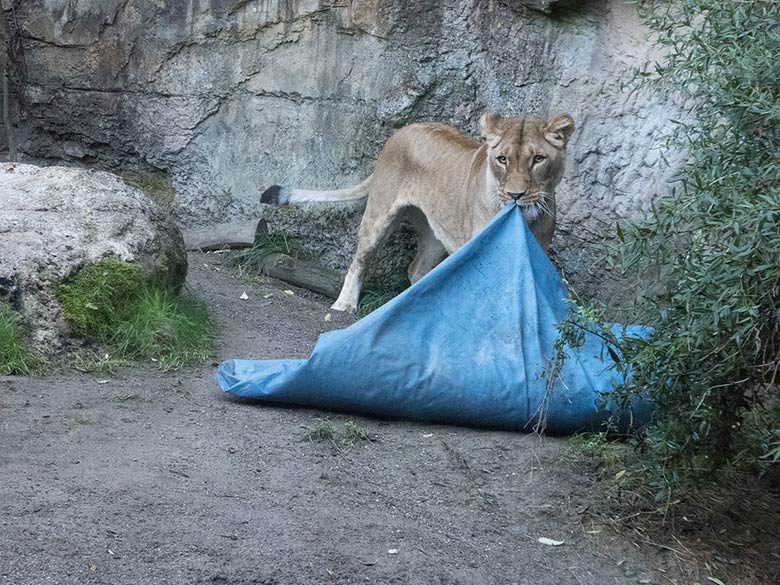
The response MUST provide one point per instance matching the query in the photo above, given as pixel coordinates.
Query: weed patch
(348, 436)
(602, 453)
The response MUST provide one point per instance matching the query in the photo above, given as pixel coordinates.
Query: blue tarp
(467, 344)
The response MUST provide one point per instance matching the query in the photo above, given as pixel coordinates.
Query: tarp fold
(467, 344)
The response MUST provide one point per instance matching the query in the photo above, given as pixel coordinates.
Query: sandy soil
(145, 477)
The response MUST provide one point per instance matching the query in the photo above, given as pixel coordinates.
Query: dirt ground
(145, 477)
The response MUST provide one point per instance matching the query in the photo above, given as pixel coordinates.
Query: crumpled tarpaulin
(467, 344)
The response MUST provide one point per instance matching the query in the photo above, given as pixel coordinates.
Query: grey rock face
(231, 96)
(55, 220)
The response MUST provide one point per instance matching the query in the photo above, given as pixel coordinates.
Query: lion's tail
(278, 195)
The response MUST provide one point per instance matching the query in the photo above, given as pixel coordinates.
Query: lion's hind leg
(430, 251)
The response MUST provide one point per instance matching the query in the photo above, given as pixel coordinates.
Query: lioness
(449, 185)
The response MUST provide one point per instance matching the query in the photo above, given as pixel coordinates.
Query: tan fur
(450, 185)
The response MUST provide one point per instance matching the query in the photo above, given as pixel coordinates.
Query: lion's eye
(501, 159)
(539, 158)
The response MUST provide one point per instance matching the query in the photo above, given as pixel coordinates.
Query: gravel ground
(150, 477)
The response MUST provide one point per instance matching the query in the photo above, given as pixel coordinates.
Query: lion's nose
(515, 196)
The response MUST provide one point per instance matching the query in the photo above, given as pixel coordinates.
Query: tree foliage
(711, 247)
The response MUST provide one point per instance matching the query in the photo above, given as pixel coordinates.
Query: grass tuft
(164, 326)
(322, 430)
(350, 435)
(16, 358)
(135, 317)
(374, 296)
(268, 245)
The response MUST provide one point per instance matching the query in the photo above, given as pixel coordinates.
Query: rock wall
(230, 96)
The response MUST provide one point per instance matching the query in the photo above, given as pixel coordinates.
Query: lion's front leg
(350, 292)
(376, 225)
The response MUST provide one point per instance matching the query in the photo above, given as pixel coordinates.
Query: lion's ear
(492, 126)
(558, 130)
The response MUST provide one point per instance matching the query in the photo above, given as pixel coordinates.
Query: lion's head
(526, 157)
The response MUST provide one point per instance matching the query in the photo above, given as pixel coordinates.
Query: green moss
(155, 183)
(91, 298)
(16, 358)
(136, 316)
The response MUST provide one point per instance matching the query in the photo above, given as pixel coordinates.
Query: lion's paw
(342, 306)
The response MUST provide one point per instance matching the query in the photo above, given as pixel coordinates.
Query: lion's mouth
(531, 199)
(533, 205)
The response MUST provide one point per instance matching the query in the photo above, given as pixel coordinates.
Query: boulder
(55, 220)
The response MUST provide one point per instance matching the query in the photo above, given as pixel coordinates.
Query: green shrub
(136, 316)
(712, 246)
(16, 358)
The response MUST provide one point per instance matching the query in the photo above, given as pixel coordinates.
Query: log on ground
(224, 236)
(303, 273)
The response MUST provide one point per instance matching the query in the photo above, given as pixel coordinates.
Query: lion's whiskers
(530, 209)
(543, 203)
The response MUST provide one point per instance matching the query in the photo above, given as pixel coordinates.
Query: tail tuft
(278, 195)
(275, 195)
